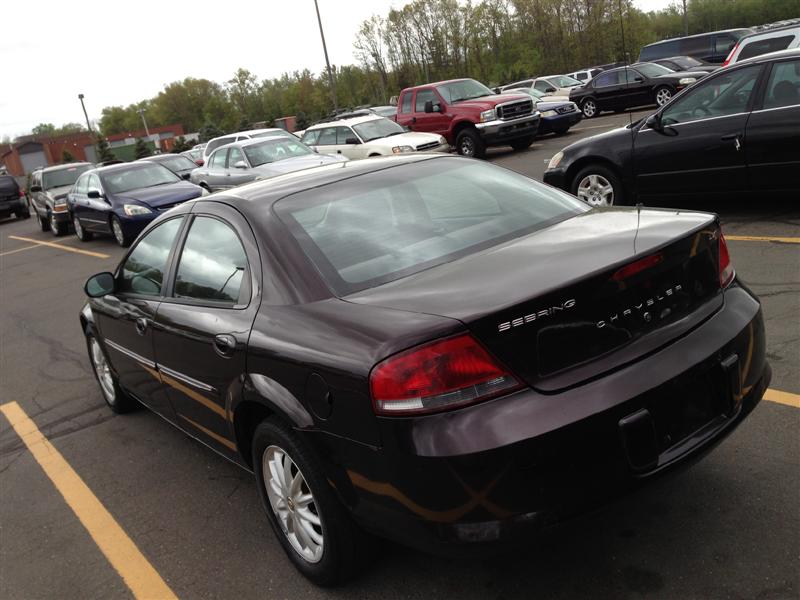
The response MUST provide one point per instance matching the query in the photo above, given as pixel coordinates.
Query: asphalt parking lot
(728, 527)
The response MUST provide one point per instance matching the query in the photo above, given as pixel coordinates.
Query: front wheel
(469, 143)
(80, 232)
(598, 186)
(44, 223)
(56, 228)
(315, 531)
(522, 144)
(663, 96)
(115, 397)
(119, 233)
(589, 108)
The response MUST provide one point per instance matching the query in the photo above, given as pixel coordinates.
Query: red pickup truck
(470, 115)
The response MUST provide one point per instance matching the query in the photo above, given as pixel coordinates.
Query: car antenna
(630, 116)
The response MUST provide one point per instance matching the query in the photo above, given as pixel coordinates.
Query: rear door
(701, 150)
(637, 91)
(126, 318)
(204, 323)
(608, 88)
(772, 143)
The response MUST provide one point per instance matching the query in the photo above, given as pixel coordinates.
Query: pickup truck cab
(469, 115)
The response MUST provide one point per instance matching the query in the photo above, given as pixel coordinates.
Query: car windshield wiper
(395, 133)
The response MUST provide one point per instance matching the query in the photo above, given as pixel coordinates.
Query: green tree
(209, 131)
(104, 153)
(181, 145)
(44, 129)
(141, 149)
(66, 156)
(301, 121)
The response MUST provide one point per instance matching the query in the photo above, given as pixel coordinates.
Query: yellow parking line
(762, 238)
(19, 249)
(60, 246)
(137, 573)
(782, 397)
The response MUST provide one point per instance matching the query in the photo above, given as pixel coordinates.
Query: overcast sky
(120, 53)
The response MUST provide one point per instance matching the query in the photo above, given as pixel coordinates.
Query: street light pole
(327, 62)
(88, 125)
(144, 121)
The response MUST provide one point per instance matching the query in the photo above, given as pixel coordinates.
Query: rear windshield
(379, 227)
(62, 177)
(214, 144)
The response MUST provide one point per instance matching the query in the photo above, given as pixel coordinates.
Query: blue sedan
(558, 114)
(122, 199)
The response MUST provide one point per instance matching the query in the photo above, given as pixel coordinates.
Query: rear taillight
(726, 271)
(637, 267)
(730, 54)
(22, 193)
(438, 376)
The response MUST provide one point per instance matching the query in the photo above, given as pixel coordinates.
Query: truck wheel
(43, 222)
(469, 143)
(522, 144)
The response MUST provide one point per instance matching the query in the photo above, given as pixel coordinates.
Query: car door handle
(413, 119)
(141, 326)
(338, 152)
(736, 140)
(225, 345)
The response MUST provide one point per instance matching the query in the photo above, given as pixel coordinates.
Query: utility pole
(144, 122)
(88, 125)
(685, 20)
(327, 62)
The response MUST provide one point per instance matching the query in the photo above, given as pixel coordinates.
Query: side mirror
(35, 188)
(654, 122)
(549, 90)
(186, 176)
(497, 90)
(94, 194)
(100, 285)
(429, 106)
(352, 141)
(240, 164)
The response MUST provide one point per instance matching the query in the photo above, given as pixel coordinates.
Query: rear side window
(783, 88)
(380, 227)
(143, 271)
(759, 47)
(405, 106)
(212, 263)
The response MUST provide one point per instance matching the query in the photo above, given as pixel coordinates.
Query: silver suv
(48, 194)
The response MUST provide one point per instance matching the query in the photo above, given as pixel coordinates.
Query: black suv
(12, 200)
(49, 189)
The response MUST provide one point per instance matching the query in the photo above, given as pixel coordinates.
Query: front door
(97, 209)
(772, 143)
(203, 326)
(216, 175)
(434, 122)
(126, 318)
(701, 147)
(238, 175)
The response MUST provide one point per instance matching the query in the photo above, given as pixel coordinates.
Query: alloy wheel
(293, 504)
(589, 108)
(596, 190)
(118, 234)
(76, 222)
(663, 96)
(103, 371)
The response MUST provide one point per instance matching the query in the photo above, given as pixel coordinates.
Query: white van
(763, 42)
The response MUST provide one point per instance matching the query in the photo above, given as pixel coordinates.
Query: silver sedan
(253, 160)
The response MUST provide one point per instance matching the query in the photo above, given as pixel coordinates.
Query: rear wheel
(117, 400)
(469, 143)
(24, 213)
(315, 531)
(589, 108)
(119, 233)
(56, 228)
(663, 95)
(522, 144)
(598, 186)
(80, 232)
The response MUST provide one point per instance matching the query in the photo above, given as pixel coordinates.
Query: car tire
(663, 95)
(119, 233)
(56, 228)
(117, 400)
(522, 144)
(44, 224)
(24, 214)
(591, 183)
(338, 548)
(562, 131)
(589, 108)
(80, 232)
(469, 143)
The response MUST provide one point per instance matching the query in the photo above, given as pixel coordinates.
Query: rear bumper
(495, 133)
(11, 206)
(490, 472)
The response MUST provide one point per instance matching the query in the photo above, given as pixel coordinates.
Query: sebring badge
(535, 316)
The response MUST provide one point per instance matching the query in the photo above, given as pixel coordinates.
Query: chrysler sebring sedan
(429, 349)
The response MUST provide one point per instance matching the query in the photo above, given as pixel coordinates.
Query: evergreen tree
(301, 121)
(66, 157)
(181, 145)
(209, 131)
(141, 149)
(104, 153)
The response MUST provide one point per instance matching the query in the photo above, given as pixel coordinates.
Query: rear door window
(783, 88)
(607, 79)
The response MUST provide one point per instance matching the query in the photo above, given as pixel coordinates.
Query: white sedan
(367, 136)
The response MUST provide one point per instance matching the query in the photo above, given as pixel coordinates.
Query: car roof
(771, 31)
(64, 166)
(346, 121)
(435, 83)
(248, 132)
(685, 37)
(790, 53)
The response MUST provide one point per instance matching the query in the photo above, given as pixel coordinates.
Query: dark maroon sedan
(429, 349)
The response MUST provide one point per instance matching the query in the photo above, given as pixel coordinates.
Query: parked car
(216, 142)
(735, 132)
(469, 115)
(555, 85)
(638, 85)
(685, 63)
(433, 349)
(585, 75)
(557, 113)
(195, 155)
(123, 199)
(48, 194)
(764, 42)
(388, 111)
(12, 199)
(368, 136)
(712, 47)
(177, 163)
(251, 160)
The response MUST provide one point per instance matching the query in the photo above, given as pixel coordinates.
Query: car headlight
(554, 162)
(442, 140)
(400, 149)
(549, 113)
(60, 201)
(134, 209)
(488, 115)
(204, 191)
(687, 80)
